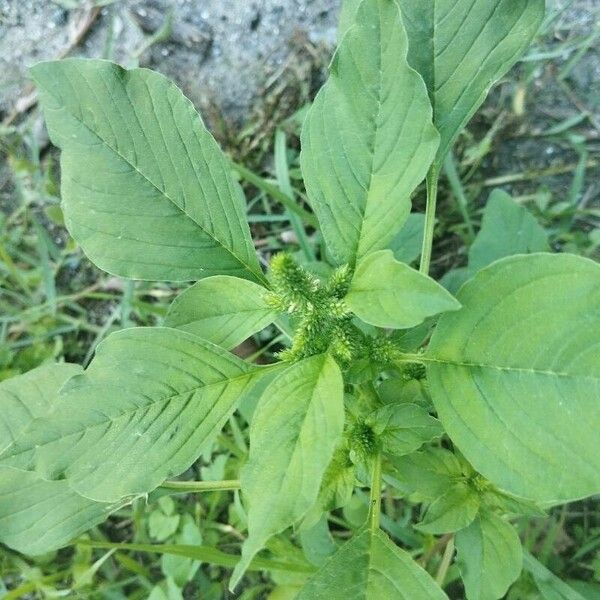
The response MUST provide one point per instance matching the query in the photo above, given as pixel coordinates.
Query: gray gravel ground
(220, 51)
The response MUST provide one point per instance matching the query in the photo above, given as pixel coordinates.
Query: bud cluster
(323, 320)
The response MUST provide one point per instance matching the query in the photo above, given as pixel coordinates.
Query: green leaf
(221, 309)
(371, 567)
(506, 229)
(461, 47)
(403, 428)
(406, 244)
(296, 427)
(146, 191)
(28, 397)
(140, 414)
(37, 516)
(490, 557)
(388, 293)
(515, 375)
(428, 473)
(551, 587)
(368, 138)
(453, 510)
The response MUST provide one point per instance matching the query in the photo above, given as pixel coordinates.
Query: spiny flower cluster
(323, 322)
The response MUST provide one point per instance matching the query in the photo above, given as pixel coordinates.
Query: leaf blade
(459, 58)
(490, 557)
(509, 387)
(183, 220)
(368, 138)
(371, 567)
(291, 445)
(388, 293)
(140, 413)
(221, 309)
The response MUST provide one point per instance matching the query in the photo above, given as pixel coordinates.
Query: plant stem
(445, 564)
(375, 496)
(432, 185)
(201, 486)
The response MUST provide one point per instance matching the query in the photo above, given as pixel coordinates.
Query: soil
(221, 52)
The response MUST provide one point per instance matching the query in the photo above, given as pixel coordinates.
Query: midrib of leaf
(508, 368)
(186, 395)
(373, 145)
(158, 189)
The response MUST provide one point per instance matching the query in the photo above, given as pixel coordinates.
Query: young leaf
(296, 427)
(368, 138)
(426, 474)
(146, 190)
(388, 293)
(371, 567)
(223, 310)
(453, 510)
(37, 516)
(461, 47)
(506, 229)
(140, 413)
(490, 557)
(336, 487)
(403, 428)
(515, 375)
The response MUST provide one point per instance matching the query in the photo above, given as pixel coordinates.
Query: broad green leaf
(368, 138)
(461, 47)
(490, 557)
(296, 427)
(453, 510)
(506, 229)
(515, 375)
(347, 16)
(221, 309)
(426, 474)
(371, 567)
(406, 244)
(37, 516)
(141, 412)
(388, 293)
(551, 587)
(146, 190)
(403, 428)
(28, 397)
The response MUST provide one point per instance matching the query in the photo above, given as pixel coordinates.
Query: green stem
(432, 184)
(375, 496)
(206, 554)
(201, 486)
(445, 564)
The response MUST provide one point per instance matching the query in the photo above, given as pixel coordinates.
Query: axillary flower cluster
(321, 319)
